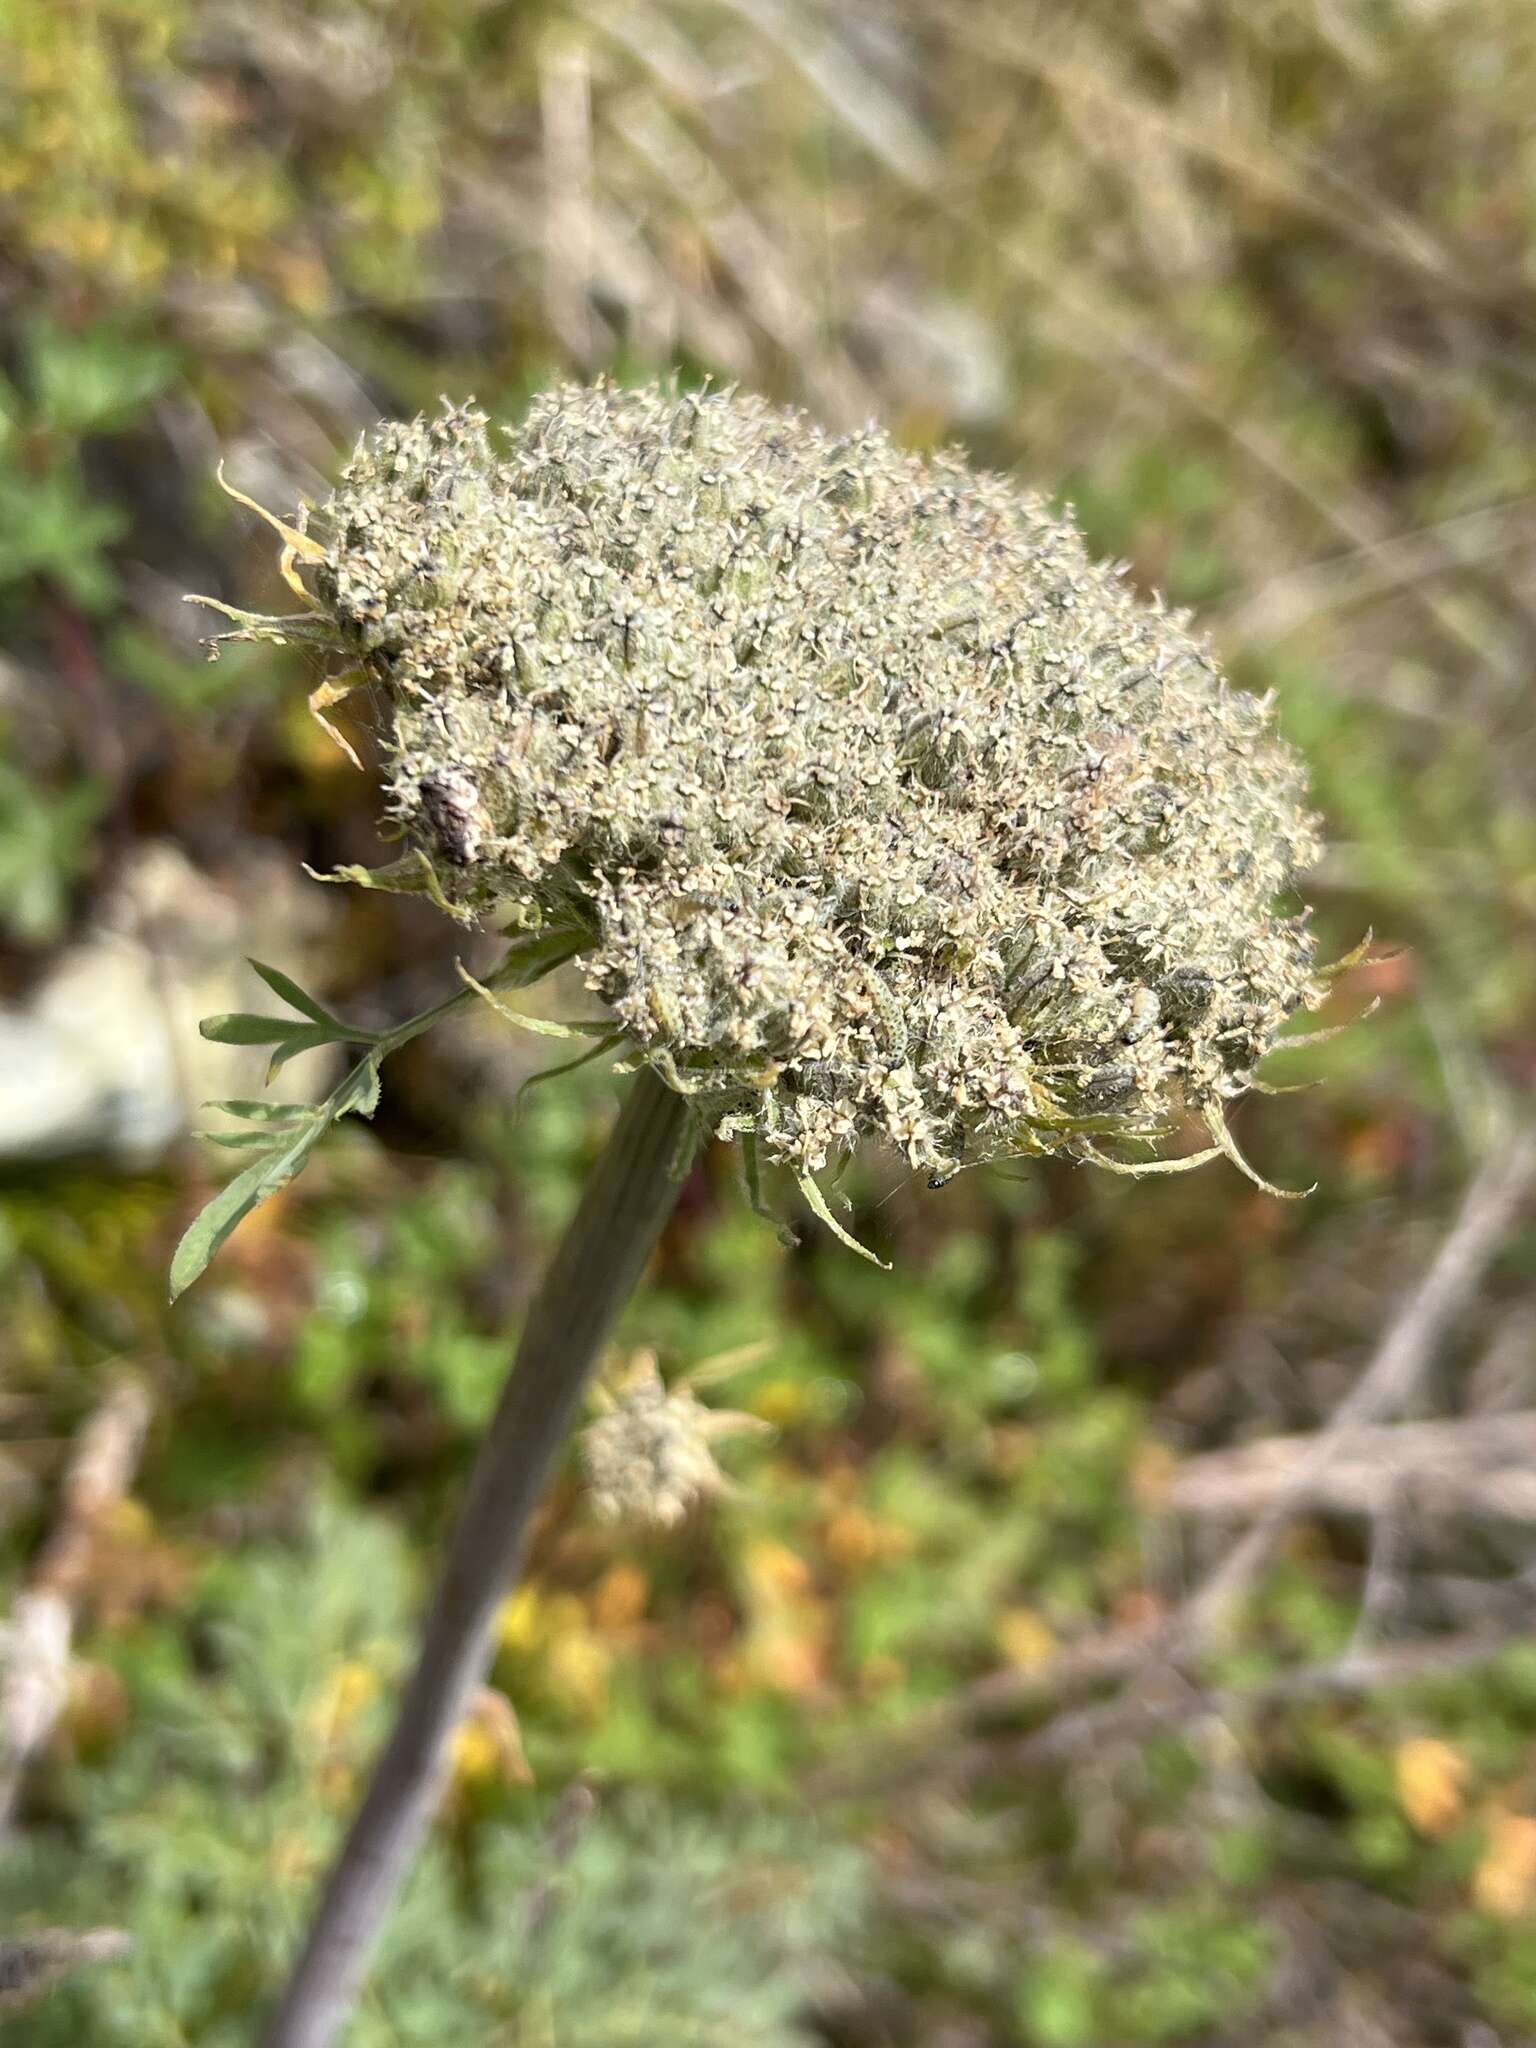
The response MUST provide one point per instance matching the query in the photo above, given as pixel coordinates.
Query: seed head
(881, 809)
(647, 1456)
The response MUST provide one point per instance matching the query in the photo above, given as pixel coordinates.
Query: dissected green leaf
(531, 958)
(1352, 958)
(276, 629)
(1139, 1168)
(242, 1027)
(362, 1088)
(818, 1202)
(750, 1158)
(544, 1027)
(412, 875)
(291, 1131)
(310, 1039)
(290, 992)
(1216, 1124)
(582, 1059)
(1327, 1031)
(334, 690)
(402, 877)
(357, 1094)
(263, 1112)
(235, 1201)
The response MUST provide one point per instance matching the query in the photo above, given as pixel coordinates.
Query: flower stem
(593, 1273)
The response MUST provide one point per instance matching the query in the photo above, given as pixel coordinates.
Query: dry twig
(29, 1963)
(1119, 1655)
(1181, 1702)
(35, 1642)
(1463, 1465)
(1394, 1373)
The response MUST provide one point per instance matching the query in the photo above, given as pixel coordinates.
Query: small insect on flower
(450, 804)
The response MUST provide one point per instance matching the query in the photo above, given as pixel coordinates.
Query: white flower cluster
(881, 808)
(647, 1457)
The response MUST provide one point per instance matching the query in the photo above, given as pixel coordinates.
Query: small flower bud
(647, 1458)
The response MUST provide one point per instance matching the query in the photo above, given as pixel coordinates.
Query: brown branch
(1002, 1697)
(1395, 1372)
(1183, 1701)
(29, 1963)
(35, 1643)
(1463, 1465)
(925, 1746)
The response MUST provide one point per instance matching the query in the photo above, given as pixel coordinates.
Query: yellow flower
(520, 1622)
(1505, 1881)
(1024, 1638)
(487, 1746)
(620, 1596)
(577, 1672)
(1431, 1778)
(343, 1695)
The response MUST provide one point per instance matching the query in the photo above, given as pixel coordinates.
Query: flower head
(647, 1455)
(879, 809)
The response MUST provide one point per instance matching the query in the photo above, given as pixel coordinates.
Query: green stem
(594, 1272)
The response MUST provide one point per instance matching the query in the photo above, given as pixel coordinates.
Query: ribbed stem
(594, 1272)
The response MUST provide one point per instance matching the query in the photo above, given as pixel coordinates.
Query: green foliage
(1059, 1997)
(1188, 1968)
(56, 532)
(44, 835)
(54, 526)
(654, 1924)
(390, 1298)
(1198, 1964)
(91, 381)
(285, 1138)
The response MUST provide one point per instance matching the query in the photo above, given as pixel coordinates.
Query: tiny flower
(647, 1458)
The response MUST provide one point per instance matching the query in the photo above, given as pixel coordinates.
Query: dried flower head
(647, 1456)
(879, 809)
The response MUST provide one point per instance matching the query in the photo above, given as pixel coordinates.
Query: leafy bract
(283, 1135)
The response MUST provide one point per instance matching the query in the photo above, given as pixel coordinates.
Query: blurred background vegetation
(971, 1716)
